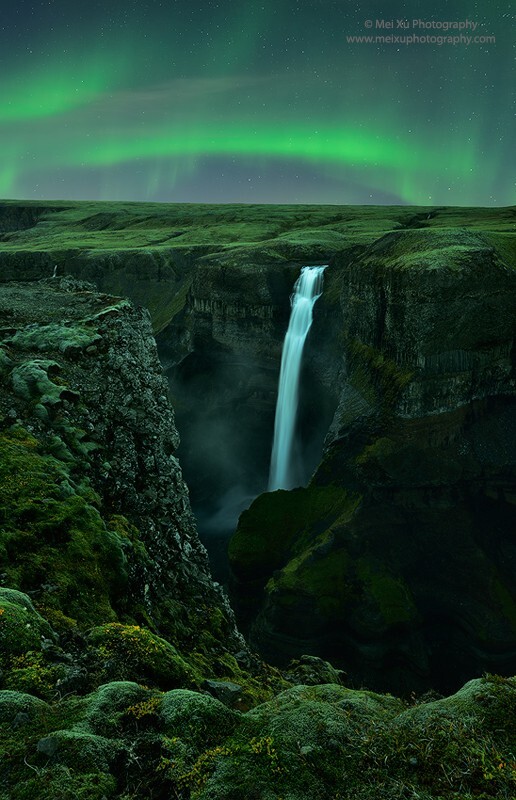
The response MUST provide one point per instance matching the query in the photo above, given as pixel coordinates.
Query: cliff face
(216, 280)
(221, 355)
(398, 561)
(96, 520)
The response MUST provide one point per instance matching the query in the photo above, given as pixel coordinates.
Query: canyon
(394, 559)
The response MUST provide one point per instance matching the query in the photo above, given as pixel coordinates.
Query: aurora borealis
(254, 102)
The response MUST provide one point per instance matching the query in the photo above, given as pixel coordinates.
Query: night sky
(257, 101)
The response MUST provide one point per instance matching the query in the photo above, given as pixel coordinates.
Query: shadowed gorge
(391, 568)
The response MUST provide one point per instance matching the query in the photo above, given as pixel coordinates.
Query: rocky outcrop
(96, 520)
(398, 562)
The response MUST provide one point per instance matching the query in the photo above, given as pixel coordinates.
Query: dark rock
(48, 746)
(225, 691)
(21, 719)
(311, 671)
(75, 679)
(54, 653)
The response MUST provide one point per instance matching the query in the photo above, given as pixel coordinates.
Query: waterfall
(307, 289)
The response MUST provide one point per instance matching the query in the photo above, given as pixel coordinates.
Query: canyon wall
(396, 561)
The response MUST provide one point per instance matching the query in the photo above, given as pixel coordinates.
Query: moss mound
(62, 783)
(131, 651)
(199, 719)
(21, 629)
(14, 703)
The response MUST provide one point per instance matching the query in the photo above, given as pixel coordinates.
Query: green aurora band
(141, 118)
(395, 162)
(58, 90)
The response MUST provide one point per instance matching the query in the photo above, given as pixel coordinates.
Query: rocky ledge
(96, 525)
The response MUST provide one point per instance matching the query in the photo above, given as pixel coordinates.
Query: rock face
(398, 562)
(222, 355)
(96, 519)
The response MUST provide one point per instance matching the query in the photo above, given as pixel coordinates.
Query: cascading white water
(307, 289)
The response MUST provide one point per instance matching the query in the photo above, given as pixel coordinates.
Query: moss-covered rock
(129, 651)
(287, 530)
(196, 718)
(107, 705)
(31, 672)
(266, 532)
(16, 597)
(53, 540)
(95, 520)
(21, 629)
(68, 338)
(32, 381)
(322, 741)
(332, 742)
(79, 749)
(312, 671)
(13, 703)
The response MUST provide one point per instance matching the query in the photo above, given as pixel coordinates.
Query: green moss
(167, 313)
(295, 745)
(333, 581)
(280, 524)
(21, 629)
(324, 741)
(13, 703)
(302, 525)
(505, 245)
(31, 381)
(390, 594)
(313, 741)
(463, 743)
(60, 622)
(30, 673)
(324, 577)
(131, 651)
(5, 362)
(197, 718)
(84, 751)
(62, 783)
(380, 449)
(223, 666)
(16, 597)
(52, 539)
(108, 705)
(379, 379)
(61, 337)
